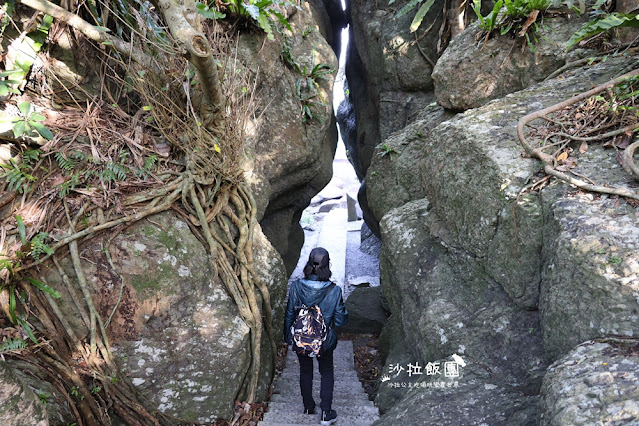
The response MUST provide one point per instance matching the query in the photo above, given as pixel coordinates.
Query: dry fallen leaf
(571, 163)
(622, 141)
(583, 147)
(532, 17)
(563, 156)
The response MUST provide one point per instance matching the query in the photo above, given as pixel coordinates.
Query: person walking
(316, 289)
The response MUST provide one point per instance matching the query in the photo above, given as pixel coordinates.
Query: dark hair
(318, 264)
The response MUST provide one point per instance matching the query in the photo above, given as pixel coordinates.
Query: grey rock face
(447, 303)
(472, 398)
(470, 73)
(176, 334)
(395, 175)
(590, 279)
(290, 161)
(18, 404)
(388, 79)
(469, 265)
(365, 311)
(594, 384)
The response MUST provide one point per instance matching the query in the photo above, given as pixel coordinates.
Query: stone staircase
(349, 399)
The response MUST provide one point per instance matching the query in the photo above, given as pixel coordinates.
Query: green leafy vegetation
(306, 85)
(520, 17)
(19, 316)
(29, 123)
(39, 247)
(516, 16)
(306, 88)
(44, 397)
(262, 13)
(603, 23)
(421, 12)
(6, 10)
(622, 98)
(13, 345)
(385, 149)
(9, 79)
(19, 174)
(82, 170)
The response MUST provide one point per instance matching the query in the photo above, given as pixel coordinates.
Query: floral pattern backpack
(309, 330)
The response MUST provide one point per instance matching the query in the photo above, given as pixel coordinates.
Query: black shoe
(309, 410)
(328, 417)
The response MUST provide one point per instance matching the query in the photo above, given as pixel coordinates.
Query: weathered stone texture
(176, 332)
(473, 398)
(594, 384)
(365, 311)
(472, 72)
(448, 304)
(18, 404)
(473, 266)
(289, 161)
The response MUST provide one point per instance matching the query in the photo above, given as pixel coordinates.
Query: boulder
(289, 160)
(596, 383)
(395, 176)
(365, 311)
(388, 77)
(470, 72)
(590, 275)
(176, 333)
(472, 397)
(18, 404)
(473, 266)
(447, 303)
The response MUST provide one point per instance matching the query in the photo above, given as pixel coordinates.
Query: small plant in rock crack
(29, 123)
(18, 173)
(44, 397)
(385, 149)
(260, 12)
(306, 88)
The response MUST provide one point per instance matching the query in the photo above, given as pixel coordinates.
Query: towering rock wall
(175, 332)
(290, 160)
(472, 263)
(389, 80)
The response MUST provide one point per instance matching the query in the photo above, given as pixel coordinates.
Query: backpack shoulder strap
(330, 287)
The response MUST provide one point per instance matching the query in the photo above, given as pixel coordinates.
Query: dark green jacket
(310, 292)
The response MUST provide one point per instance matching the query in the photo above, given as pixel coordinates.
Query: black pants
(306, 380)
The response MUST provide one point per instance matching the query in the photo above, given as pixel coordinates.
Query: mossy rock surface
(595, 383)
(176, 333)
(18, 404)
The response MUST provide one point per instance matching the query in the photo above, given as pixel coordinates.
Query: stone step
(304, 419)
(349, 399)
(347, 378)
(338, 395)
(345, 407)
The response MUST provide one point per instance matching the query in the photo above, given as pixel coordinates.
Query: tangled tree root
(201, 182)
(57, 360)
(550, 162)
